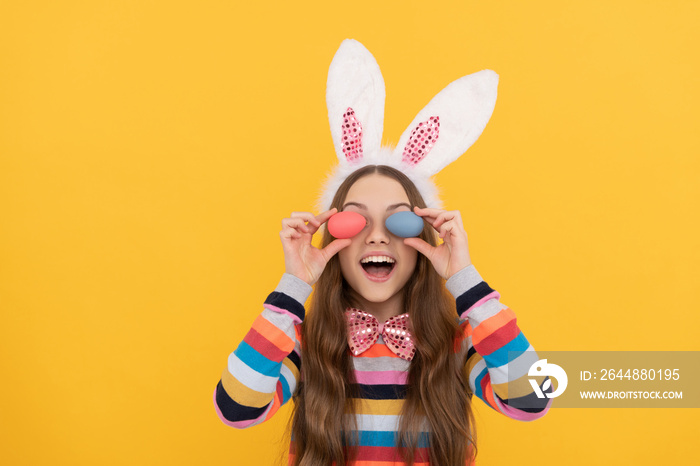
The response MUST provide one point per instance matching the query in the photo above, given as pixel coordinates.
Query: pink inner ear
(422, 139)
(352, 136)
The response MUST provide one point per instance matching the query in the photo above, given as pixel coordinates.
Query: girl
(400, 333)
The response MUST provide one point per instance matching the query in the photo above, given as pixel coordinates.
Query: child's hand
(301, 259)
(453, 254)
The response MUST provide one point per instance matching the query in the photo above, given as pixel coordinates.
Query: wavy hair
(438, 395)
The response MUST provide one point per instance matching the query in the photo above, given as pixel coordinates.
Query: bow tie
(364, 330)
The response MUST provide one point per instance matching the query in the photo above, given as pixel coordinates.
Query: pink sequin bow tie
(364, 330)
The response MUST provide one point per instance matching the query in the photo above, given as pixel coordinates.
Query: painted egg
(346, 224)
(404, 224)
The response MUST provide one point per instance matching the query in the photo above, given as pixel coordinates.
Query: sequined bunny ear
(355, 100)
(451, 122)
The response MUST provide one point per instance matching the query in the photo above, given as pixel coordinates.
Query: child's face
(376, 197)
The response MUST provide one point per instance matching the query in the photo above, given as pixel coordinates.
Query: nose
(378, 234)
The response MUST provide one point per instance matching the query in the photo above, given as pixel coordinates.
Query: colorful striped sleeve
(263, 371)
(498, 356)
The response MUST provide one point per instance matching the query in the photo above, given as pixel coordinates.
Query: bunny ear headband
(451, 122)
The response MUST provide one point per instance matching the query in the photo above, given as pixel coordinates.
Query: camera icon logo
(542, 368)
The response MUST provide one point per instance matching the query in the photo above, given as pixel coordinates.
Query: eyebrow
(391, 207)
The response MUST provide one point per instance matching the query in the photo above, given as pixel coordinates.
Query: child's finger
(446, 228)
(444, 217)
(450, 231)
(316, 221)
(323, 217)
(427, 211)
(335, 246)
(421, 246)
(428, 217)
(425, 215)
(296, 223)
(306, 216)
(289, 233)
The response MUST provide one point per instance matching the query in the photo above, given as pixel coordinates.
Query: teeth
(377, 259)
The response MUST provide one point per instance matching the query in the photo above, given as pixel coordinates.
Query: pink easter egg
(346, 224)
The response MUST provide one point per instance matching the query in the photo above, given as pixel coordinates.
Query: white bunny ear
(449, 124)
(355, 98)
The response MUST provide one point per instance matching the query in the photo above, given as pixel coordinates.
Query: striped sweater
(263, 371)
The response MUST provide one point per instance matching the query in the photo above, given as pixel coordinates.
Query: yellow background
(149, 150)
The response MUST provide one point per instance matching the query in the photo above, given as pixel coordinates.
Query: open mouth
(378, 268)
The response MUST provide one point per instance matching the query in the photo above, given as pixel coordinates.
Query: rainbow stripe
(263, 371)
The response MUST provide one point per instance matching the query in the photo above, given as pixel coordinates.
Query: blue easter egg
(404, 224)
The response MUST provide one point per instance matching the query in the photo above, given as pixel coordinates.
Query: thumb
(333, 248)
(420, 245)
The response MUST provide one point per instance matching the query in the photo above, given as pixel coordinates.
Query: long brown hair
(437, 390)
